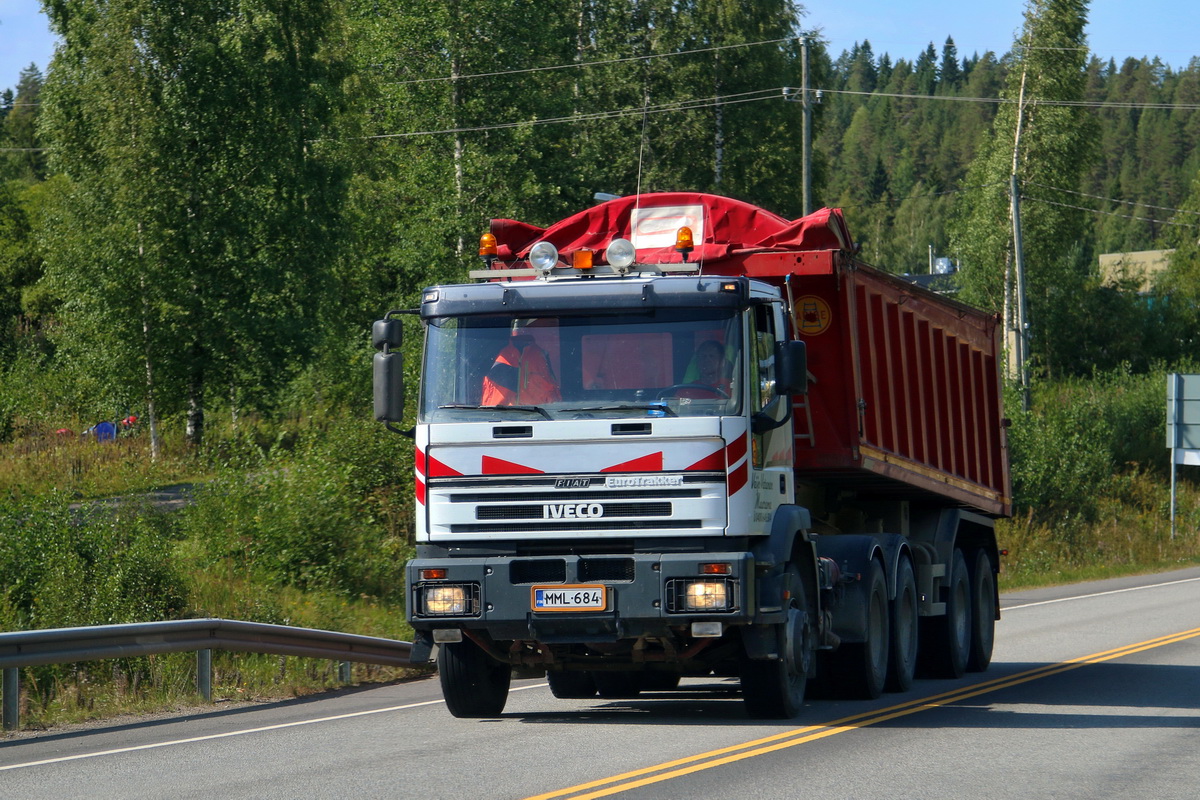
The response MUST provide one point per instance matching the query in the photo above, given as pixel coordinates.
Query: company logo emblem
(812, 315)
(636, 481)
(572, 510)
(572, 483)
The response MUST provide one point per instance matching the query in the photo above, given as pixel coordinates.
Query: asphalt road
(1094, 692)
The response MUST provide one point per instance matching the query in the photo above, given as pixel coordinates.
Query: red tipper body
(904, 398)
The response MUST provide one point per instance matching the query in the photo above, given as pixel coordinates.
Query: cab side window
(763, 388)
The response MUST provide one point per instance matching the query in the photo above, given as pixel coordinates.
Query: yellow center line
(779, 741)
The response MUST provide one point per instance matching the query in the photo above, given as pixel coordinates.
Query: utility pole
(1021, 340)
(803, 96)
(806, 129)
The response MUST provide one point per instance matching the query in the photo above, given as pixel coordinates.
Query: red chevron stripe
(710, 463)
(439, 470)
(498, 466)
(650, 463)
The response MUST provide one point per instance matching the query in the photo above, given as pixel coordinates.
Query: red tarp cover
(729, 226)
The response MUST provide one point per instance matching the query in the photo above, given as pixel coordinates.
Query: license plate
(569, 598)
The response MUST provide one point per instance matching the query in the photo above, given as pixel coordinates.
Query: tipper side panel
(906, 397)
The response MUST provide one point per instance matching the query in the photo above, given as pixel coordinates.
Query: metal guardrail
(68, 645)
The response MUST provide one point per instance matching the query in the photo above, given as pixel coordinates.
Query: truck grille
(534, 506)
(543, 570)
(554, 570)
(542, 512)
(608, 570)
(568, 525)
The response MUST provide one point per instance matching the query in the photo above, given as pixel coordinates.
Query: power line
(1009, 101)
(1110, 213)
(680, 105)
(1113, 199)
(583, 64)
(896, 201)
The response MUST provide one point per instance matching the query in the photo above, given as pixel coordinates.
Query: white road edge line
(228, 734)
(1100, 594)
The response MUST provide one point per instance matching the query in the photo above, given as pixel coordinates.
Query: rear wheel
(902, 655)
(946, 640)
(862, 666)
(473, 683)
(571, 685)
(983, 613)
(775, 689)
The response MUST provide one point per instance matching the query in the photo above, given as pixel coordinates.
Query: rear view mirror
(791, 368)
(387, 332)
(389, 387)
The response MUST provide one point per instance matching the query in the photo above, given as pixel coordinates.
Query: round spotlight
(620, 253)
(543, 256)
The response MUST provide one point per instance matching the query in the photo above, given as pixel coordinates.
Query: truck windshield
(665, 362)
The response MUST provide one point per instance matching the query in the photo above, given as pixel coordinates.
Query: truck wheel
(902, 655)
(983, 613)
(571, 685)
(775, 689)
(473, 683)
(946, 640)
(862, 666)
(618, 685)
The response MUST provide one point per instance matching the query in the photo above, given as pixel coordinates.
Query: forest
(203, 209)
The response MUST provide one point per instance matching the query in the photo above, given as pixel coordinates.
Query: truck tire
(983, 613)
(571, 685)
(775, 689)
(946, 640)
(902, 654)
(473, 683)
(618, 685)
(862, 667)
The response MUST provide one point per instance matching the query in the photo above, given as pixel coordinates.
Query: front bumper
(645, 595)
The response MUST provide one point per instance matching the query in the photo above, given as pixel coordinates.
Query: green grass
(86, 469)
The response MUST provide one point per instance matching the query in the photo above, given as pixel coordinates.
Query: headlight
(705, 596)
(543, 256)
(446, 601)
(620, 253)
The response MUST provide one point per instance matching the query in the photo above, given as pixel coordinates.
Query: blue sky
(902, 28)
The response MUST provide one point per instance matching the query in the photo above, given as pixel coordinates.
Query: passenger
(709, 370)
(520, 375)
(712, 368)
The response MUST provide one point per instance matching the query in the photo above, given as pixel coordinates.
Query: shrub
(317, 517)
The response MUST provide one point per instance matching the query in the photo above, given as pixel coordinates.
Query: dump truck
(678, 435)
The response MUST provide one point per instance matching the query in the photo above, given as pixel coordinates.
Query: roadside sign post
(1183, 426)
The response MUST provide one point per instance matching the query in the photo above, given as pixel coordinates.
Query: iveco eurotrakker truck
(675, 435)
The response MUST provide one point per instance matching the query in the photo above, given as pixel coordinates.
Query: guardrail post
(204, 674)
(344, 674)
(12, 698)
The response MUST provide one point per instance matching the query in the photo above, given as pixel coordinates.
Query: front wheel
(473, 683)
(775, 689)
(983, 613)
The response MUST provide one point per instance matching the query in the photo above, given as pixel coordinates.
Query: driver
(520, 375)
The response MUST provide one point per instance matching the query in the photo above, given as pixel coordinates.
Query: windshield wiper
(667, 410)
(465, 407)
